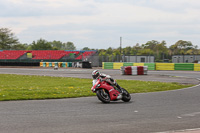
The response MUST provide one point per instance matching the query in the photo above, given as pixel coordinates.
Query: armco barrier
(107, 65)
(164, 66)
(154, 66)
(127, 64)
(117, 65)
(138, 64)
(196, 67)
(151, 66)
(184, 66)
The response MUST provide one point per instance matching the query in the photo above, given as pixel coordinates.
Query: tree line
(155, 48)
(8, 41)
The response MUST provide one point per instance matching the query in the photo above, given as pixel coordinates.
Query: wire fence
(97, 60)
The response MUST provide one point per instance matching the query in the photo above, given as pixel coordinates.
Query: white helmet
(95, 74)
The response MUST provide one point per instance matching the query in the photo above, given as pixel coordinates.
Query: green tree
(20, 47)
(146, 52)
(41, 44)
(69, 46)
(158, 49)
(86, 48)
(109, 51)
(102, 52)
(136, 49)
(181, 47)
(57, 45)
(150, 44)
(127, 50)
(7, 38)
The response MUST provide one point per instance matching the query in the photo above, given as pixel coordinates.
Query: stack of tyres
(59, 64)
(140, 70)
(47, 64)
(134, 70)
(145, 70)
(123, 70)
(50, 64)
(128, 70)
(69, 64)
(44, 64)
(63, 64)
(55, 64)
(41, 64)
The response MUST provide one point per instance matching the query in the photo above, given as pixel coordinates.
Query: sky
(100, 23)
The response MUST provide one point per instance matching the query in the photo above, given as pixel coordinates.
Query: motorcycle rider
(97, 75)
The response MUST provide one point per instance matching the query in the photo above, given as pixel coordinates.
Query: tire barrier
(58, 64)
(154, 66)
(82, 64)
(134, 70)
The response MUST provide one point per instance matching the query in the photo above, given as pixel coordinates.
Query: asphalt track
(177, 110)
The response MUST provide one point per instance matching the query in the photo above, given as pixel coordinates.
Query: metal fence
(97, 60)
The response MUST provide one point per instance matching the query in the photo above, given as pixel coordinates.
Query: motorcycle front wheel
(103, 95)
(126, 97)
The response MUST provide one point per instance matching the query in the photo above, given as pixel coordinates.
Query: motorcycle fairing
(104, 85)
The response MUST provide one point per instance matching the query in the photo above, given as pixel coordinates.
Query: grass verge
(25, 87)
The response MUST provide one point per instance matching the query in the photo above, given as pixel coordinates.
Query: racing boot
(119, 88)
(119, 97)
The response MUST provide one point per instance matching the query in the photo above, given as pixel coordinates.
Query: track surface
(147, 112)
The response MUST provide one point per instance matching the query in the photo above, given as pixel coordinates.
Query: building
(139, 59)
(185, 58)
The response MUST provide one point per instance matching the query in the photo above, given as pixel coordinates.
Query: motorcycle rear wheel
(126, 97)
(103, 95)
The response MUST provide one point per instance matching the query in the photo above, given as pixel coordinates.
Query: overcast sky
(101, 23)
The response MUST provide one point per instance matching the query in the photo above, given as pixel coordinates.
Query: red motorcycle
(106, 92)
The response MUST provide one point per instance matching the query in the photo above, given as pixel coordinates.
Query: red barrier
(128, 70)
(134, 70)
(140, 70)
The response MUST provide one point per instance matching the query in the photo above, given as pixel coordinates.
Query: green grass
(24, 87)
